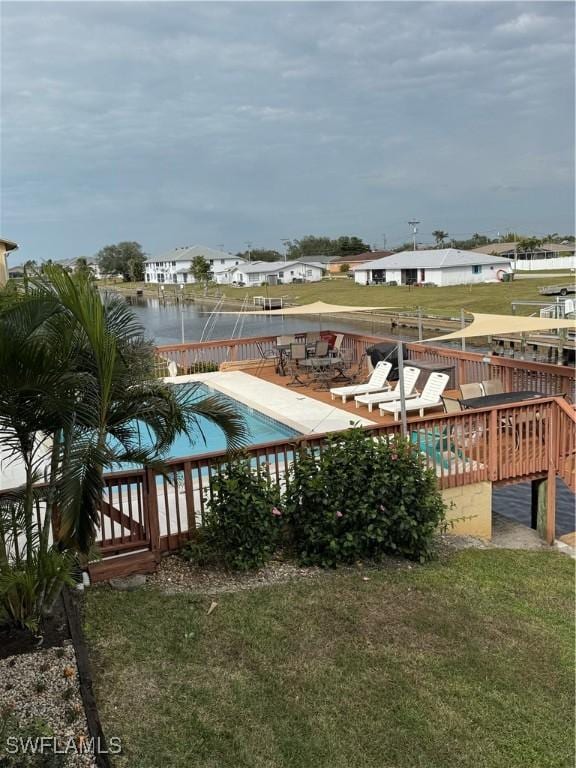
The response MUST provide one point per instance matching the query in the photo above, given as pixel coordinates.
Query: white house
(277, 272)
(175, 266)
(444, 266)
(545, 256)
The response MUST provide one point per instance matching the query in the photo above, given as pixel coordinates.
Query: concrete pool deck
(287, 406)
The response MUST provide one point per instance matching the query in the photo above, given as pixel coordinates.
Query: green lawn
(484, 297)
(464, 662)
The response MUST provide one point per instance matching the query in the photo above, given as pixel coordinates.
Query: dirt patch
(53, 632)
(177, 575)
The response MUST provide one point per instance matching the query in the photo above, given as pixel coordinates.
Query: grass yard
(464, 662)
(484, 297)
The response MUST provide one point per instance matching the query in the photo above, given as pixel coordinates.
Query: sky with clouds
(221, 123)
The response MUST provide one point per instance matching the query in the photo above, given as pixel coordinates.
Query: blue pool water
(210, 438)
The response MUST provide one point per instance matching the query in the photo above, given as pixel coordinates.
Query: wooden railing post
(189, 495)
(553, 463)
(493, 438)
(151, 501)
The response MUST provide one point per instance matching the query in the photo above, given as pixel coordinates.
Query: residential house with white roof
(175, 267)
(277, 272)
(442, 266)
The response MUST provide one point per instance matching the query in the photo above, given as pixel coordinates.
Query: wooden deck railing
(144, 509)
(468, 366)
(148, 513)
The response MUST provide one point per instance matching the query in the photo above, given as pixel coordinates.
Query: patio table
(325, 369)
(502, 398)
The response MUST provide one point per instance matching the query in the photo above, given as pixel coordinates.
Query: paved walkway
(508, 534)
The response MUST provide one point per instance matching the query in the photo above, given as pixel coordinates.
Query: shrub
(29, 590)
(242, 521)
(202, 366)
(32, 572)
(362, 498)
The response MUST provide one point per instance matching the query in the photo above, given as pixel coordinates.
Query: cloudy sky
(221, 123)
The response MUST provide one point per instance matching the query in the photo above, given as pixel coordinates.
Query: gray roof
(187, 253)
(257, 267)
(431, 259)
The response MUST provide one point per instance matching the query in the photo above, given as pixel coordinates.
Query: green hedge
(358, 499)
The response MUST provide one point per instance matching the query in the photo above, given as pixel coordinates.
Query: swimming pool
(260, 427)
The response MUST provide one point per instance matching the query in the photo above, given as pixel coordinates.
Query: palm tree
(76, 369)
(81, 267)
(439, 236)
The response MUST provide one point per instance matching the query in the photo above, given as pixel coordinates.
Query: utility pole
(285, 242)
(249, 244)
(383, 241)
(414, 224)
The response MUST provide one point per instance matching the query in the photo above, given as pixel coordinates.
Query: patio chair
(411, 375)
(376, 383)
(471, 390)
(297, 353)
(430, 397)
(266, 354)
(281, 352)
(492, 387)
(465, 433)
(321, 372)
(321, 348)
(311, 338)
(335, 351)
(343, 365)
(285, 341)
(451, 405)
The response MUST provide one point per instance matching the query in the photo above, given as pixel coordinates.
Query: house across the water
(277, 272)
(442, 266)
(176, 265)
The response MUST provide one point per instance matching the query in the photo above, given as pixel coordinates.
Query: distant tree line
(524, 243)
(311, 247)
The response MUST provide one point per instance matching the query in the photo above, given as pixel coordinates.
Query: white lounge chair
(410, 378)
(376, 383)
(430, 398)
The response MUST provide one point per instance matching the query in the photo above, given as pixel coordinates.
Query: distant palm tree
(439, 236)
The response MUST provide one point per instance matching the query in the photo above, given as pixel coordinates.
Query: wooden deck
(145, 513)
(268, 373)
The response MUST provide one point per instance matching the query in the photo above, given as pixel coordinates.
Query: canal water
(164, 321)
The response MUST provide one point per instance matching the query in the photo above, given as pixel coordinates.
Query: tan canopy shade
(316, 308)
(490, 325)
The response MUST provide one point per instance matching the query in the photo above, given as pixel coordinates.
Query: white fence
(532, 265)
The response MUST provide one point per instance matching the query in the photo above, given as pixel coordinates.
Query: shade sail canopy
(316, 308)
(490, 325)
